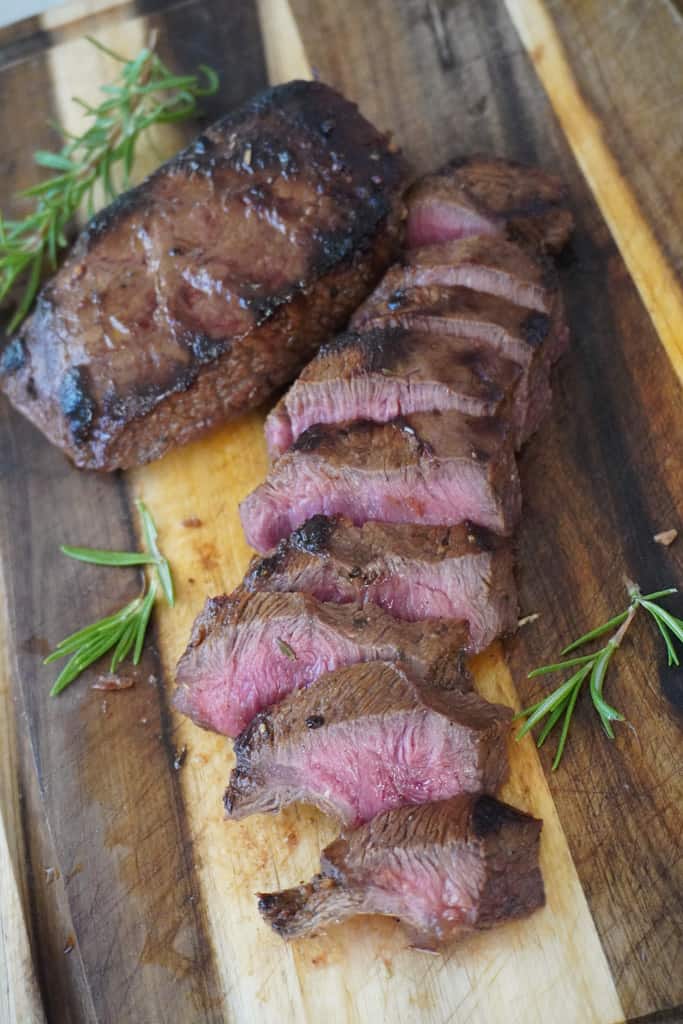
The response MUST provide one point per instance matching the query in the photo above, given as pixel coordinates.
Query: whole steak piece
(199, 293)
(444, 869)
(249, 651)
(413, 572)
(366, 739)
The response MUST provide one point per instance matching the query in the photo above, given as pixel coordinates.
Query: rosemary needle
(144, 93)
(559, 705)
(126, 629)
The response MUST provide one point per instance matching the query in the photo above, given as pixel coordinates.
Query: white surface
(15, 10)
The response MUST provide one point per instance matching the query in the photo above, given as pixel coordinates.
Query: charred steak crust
(380, 373)
(428, 468)
(429, 865)
(412, 571)
(156, 328)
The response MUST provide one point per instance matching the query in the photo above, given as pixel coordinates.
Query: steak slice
(429, 468)
(530, 338)
(366, 739)
(248, 651)
(486, 263)
(444, 869)
(482, 195)
(413, 572)
(394, 371)
(198, 294)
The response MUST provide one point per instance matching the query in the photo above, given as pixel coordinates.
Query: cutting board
(125, 895)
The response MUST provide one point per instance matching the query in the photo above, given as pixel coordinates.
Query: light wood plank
(19, 994)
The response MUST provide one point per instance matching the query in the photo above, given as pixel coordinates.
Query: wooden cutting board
(138, 899)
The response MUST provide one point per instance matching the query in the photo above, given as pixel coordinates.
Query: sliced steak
(413, 572)
(429, 468)
(482, 195)
(486, 263)
(366, 739)
(530, 338)
(204, 290)
(249, 651)
(444, 869)
(394, 371)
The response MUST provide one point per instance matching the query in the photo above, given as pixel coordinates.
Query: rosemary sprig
(125, 630)
(144, 93)
(559, 705)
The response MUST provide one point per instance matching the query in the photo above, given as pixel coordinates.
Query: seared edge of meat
(367, 738)
(430, 468)
(247, 651)
(388, 371)
(444, 869)
(414, 572)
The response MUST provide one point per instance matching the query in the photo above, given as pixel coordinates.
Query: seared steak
(366, 739)
(394, 371)
(482, 195)
(443, 868)
(529, 337)
(429, 468)
(413, 572)
(249, 651)
(204, 290)
(486, 263)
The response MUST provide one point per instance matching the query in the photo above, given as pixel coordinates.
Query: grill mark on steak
(247, 651)
(413, 572)
(430, 866)
(429, 468)
(366, 739)
(487, 195)
(384, 373)
(203, 290)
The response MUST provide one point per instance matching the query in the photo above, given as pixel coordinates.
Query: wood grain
(626, 61)
(19, 995)
(656, 279)
(155, 889)
(19, 992)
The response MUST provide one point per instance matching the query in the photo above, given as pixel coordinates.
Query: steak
(366, 739)
(413, 572)
(429, 468)
(482, 195)
(249, 651)
(486, 263)
(444, 869)
(394, 371)
(526, 336)
(199, 293)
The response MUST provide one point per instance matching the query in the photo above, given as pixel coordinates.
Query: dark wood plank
(604, 474)
(124, 894)
(626, 58)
